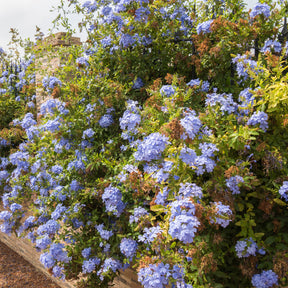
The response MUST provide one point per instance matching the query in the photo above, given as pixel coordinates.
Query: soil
(16, 272)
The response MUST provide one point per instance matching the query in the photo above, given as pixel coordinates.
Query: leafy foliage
(162, 147)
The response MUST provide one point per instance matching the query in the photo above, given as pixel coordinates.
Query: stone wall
(48, 60)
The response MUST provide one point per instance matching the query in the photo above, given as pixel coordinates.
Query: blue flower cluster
(82, 61)
(259, 117)
(283, 190)
(204, 27)
(266, 279)
(106, 120)
(233, 183)
(190, 190)
(274, 44)
(137, 214)
(128, 247)
(225, 101)
(202, 163)
(89, 265)
(154, 275)
(157, 275)
(130, 120)
(247, 99)
(243, 65)
(150, 234)
(200, 85)
(167, 90)
(222, 214)
(112, 199)
(151, 147)
(51, 105)
(183, 223)
(247, 248)
(260, 9)
(50, 82)
(104, 234)
(191, 124)
(138, 83)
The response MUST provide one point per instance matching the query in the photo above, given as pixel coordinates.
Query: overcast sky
(24, 15)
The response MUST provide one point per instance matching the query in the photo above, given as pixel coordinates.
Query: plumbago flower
(145, 197)
(183, 222)
(283, 190)
(151, 147)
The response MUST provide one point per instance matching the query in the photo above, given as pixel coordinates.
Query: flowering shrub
(182, 177)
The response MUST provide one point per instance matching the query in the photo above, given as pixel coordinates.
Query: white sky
(24, 15)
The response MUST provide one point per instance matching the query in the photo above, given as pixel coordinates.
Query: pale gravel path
(16, 272)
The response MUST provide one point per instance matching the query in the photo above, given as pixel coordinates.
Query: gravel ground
(16, 272)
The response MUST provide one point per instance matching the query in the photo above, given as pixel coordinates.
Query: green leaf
(157, 208)
(279, 202)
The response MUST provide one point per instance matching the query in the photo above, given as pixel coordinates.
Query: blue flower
(58, 272)
(104, 234)
(56, 214)
(188, 156)
(112, 199)
(75, 186)
(259, 9)
(130, 119)
(56, 250)
(52, 125)
(106, 120)
(150, 234)
(86, 252)
(259, 117)
(28, 121)
(89, 133)
(204, 27)
(137, 214)
(51, 105)
(14, 207)
(277, 46)
(47, 260)
(247, 99)
(190, 190)
(283, 190)
(88, 266)
(57, 169)
(222, 214)
(151, 147)
(154, 275)
(83, 61)
(105, 42)
(244, 65)
(246, 248)
(138, 83)
(50, 227)
(203, 85)
(167, 90)
(191, 124)
(43, 242)
(126, 40)
(233, 183)
(183, 227)
(50, 82)
(109, 264)
(141, 14)
(226, 102)
(128, 247)
(266, 279)
(5, 215)
(4, 175)
(162, 196)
